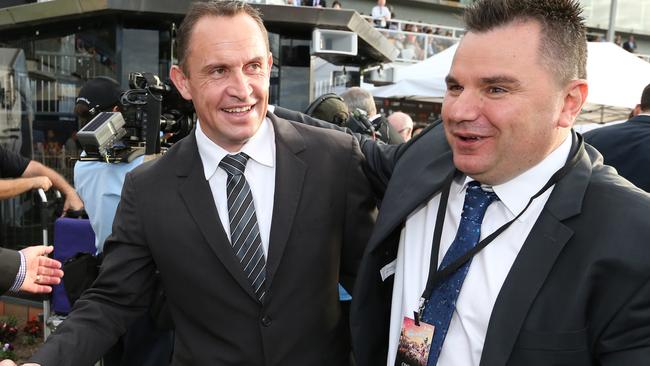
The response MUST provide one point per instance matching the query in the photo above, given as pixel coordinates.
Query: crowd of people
(497, 227)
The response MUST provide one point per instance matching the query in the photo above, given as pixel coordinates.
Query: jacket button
(266, 321)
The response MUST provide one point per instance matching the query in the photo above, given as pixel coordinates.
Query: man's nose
(239, 85)
(465, 106)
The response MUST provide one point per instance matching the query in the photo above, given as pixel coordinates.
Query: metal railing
(415, 47)
(51, 88)
(417, 41)
(418, 27)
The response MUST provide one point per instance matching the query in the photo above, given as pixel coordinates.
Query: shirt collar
(516, 192)
(260, 148)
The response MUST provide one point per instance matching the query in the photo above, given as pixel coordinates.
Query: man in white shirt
(381, 14)
(558, 271)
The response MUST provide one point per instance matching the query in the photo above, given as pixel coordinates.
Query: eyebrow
(226, 65)
(500, 79)
(450, 80)
(497, 79)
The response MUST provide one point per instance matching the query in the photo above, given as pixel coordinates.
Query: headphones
(338, 119)
(312, 107)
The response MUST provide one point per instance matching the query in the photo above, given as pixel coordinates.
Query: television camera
(148, 109)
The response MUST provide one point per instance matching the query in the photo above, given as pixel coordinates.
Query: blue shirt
(100, 186)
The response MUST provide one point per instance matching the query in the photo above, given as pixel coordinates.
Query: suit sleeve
(360, 217)
(121, 293)
(380, 158)
(9, 265)
(626, 341)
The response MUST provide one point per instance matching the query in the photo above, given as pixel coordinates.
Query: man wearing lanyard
(509, 243)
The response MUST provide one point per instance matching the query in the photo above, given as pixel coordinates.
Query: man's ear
(575, 95)
(180, 81)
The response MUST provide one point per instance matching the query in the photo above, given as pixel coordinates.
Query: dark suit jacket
(167, 220)
(577, 293)
(322, 3)
(9, 265)
(626, 147)
(629, 46)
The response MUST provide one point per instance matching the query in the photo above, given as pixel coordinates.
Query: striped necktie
(244, 231)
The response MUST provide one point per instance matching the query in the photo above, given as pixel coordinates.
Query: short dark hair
(645, 99)
(563, 44)
(214, 8)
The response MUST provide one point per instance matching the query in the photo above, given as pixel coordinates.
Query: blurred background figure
(315, 3)
(626, 146)
(20, 175)
(358, 99)
(618, 40)
(381, 14)
(402, 123)
(630, 44)
(329, 107)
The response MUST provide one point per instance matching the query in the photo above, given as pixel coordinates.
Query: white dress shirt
(379, 12)
(259, 173)
(466, 335)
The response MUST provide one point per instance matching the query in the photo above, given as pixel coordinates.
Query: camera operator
(357, 100)
(100, 184)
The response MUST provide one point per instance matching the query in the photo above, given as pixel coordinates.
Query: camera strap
(437, 275)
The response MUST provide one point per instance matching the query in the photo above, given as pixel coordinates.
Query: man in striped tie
(252, 220)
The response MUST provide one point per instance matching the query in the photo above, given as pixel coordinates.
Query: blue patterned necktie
(442, 302)
(244, 231)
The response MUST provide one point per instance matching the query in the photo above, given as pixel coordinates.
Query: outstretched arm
(381, 158)
(29, 270)
(72, 200)
(13, 187)
(41, 271)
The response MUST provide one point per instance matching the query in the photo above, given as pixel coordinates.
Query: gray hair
(356, 97)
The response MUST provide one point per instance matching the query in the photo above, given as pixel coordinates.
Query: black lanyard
(435, 275)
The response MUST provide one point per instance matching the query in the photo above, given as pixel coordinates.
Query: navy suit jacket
(626, 147)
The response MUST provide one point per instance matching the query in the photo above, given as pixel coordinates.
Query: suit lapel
(526, 277)
(409, 188)
(197, 196)
(289, 177)
(534, 262)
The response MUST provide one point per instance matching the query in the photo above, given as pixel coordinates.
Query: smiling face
(227, 77)
(504, 112)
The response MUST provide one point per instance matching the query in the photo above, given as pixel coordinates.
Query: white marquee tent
(616, 77)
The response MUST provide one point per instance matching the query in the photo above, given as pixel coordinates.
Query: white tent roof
(423, 81)
(616, 77)
(436, 66)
